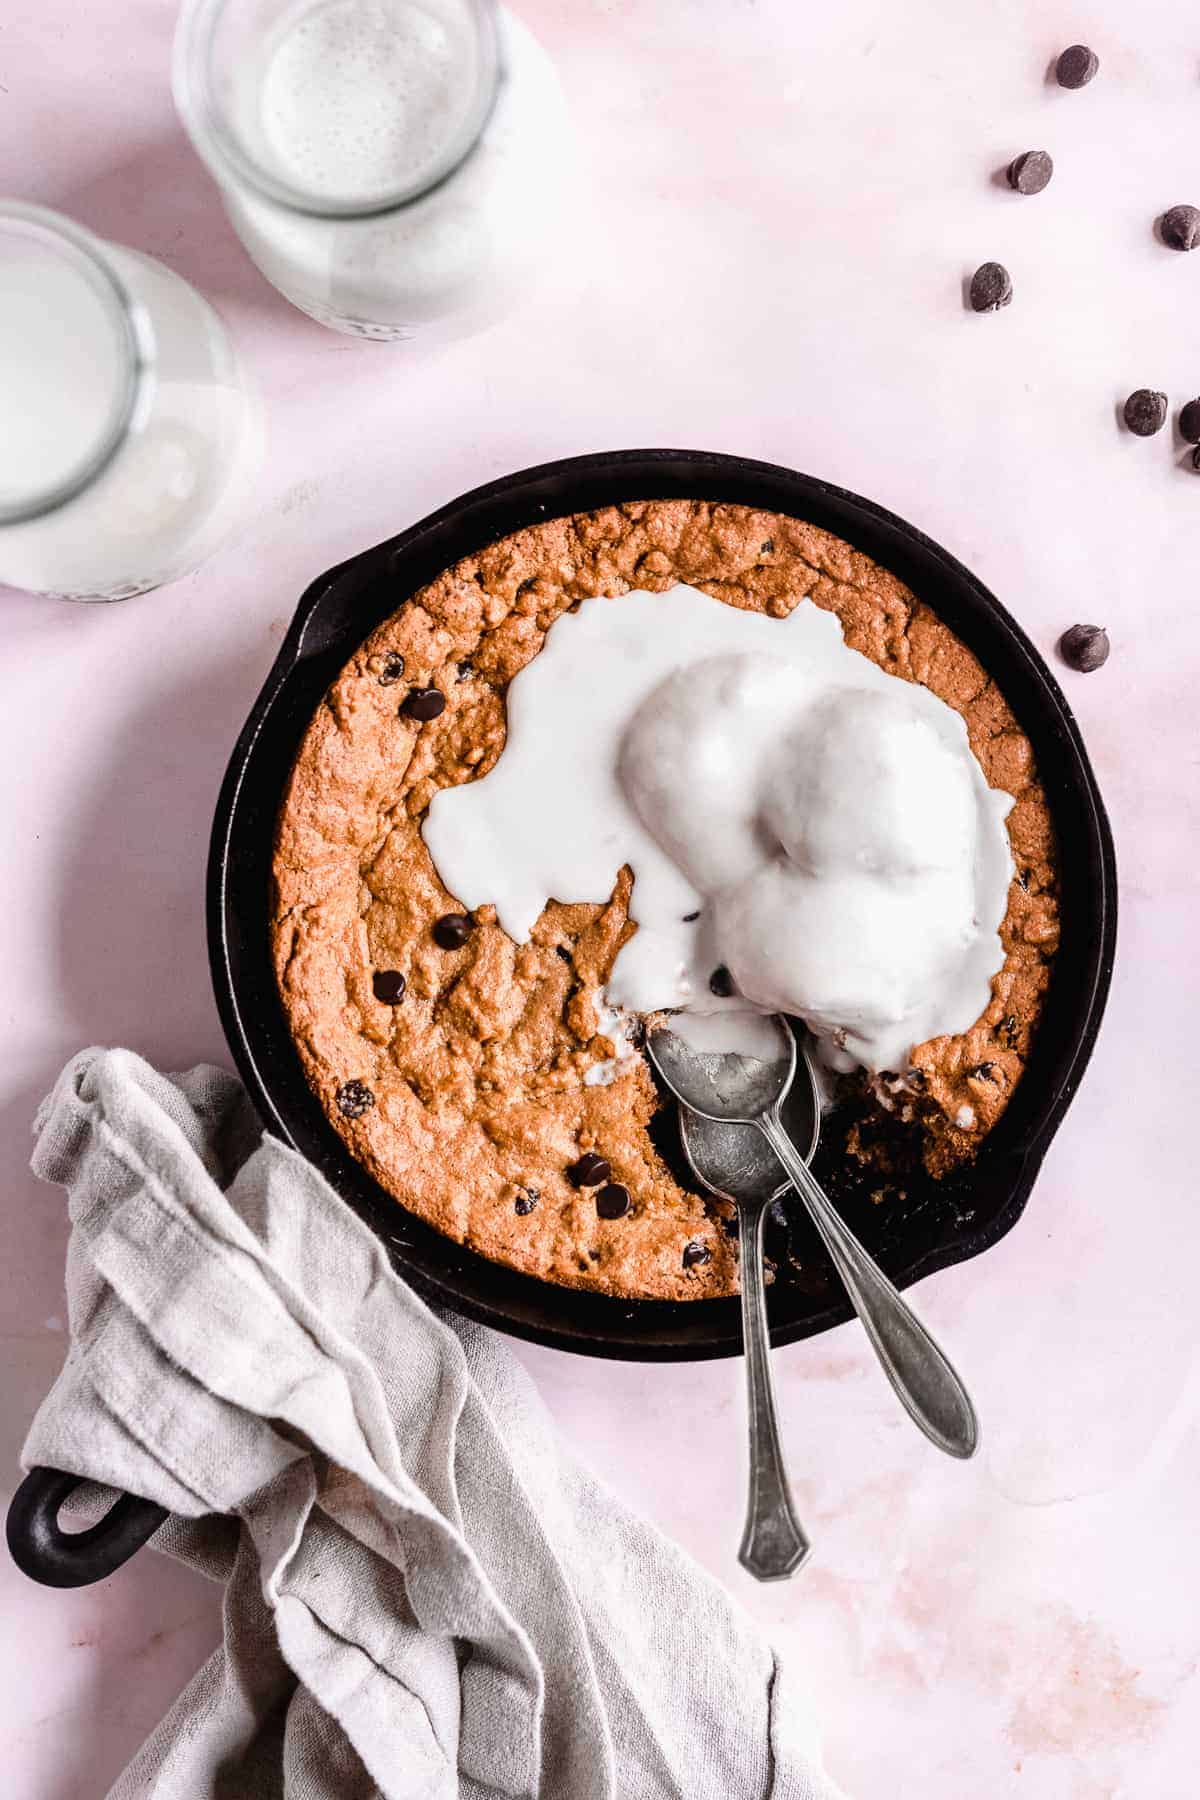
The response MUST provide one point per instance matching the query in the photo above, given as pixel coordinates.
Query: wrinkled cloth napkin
(427, 1596)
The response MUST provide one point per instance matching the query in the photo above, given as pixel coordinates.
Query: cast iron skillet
(936, 1223)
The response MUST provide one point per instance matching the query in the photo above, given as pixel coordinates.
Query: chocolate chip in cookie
(354, 1098)
(452, 930)
(389, 986)
(423, 704)
(525, 1202)
(720, 983)
(695, 1254)
(390, 668)
(613, 1201)
(590, 1170)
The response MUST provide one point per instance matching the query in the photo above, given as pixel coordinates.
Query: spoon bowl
(730, 1086)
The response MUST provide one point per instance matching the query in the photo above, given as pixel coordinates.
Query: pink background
(775, 213)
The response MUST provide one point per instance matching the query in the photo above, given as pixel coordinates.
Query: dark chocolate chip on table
(525, 1202)
(389, 986)
(423, 704)
(613, 1201)
(452, 930)
(354, 1098)
(696, 1253)
(590, 1170)
(1179, 227)
(1084, 647)
(1076, 66)
(1189, 422)
(1030, 172)
(991, 287)
(1145, 411)
(720, 983)
(391, 668)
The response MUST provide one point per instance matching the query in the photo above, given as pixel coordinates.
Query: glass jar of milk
(127, 436)
(392, 166)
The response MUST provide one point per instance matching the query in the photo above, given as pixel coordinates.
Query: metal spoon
(735, 1163)
(737, 1089)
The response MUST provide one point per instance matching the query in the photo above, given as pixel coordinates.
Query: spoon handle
(773, 1543)
(929, 1390)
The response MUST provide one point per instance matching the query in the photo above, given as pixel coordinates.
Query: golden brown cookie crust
(475, 1103)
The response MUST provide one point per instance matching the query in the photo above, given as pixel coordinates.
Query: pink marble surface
(777, 206)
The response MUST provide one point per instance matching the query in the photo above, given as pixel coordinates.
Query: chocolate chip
(1009, 1031)
(389, 985)
(720, 983)
(354, 1098)
(768, 547)
(1084, 647)
(525, 1202)
(916, 1078)
(391, 669)
(690, 918)
(423, 704)
(452, 930)
(561, 950)
(613, 1201)
(1022, 880)
(696, 1253)
(1196, 459)
(590, 1170)
(986, 1071)
(1189, 422)
(991, 287)
(1076, 66)
(1030, 172)
(1179, 227)
(464, 669)
(1145, 412)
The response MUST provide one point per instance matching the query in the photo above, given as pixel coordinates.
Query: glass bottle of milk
(392, 166)
(127, 436)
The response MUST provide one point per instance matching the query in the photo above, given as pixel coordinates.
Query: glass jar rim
(133, 341)
(225, 155)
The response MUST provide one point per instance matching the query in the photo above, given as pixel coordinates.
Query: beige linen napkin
(427, 1595)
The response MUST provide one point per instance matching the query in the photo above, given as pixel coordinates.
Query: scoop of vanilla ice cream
(865, 781)
(850, 850)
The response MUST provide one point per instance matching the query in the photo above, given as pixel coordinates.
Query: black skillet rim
(341, 607)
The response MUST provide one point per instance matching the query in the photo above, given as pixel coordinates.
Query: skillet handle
(67, 1559)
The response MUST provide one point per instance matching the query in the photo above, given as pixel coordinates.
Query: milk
(61, 359)
(347, 103)
(179, 473)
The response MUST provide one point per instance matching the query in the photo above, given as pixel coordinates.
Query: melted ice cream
(827, 822)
